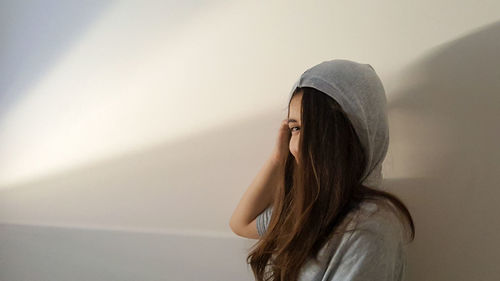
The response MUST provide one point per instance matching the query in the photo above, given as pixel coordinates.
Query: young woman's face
(294, 124)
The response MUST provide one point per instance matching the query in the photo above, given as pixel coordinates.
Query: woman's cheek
(293, 147)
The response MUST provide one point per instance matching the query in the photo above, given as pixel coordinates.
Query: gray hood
(359, 91)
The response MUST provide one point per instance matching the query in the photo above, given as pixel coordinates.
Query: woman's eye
(291, 129)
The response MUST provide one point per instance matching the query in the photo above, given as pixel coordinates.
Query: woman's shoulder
(373, 228)
(379, 217)
(374, 246)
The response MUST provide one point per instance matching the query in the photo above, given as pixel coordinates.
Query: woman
(328, 219)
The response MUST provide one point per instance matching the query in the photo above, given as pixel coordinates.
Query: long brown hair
(318, 192)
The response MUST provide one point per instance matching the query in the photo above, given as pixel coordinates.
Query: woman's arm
(259, 195)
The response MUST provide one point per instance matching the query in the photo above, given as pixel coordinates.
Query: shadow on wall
(448, 122)
(35, 34)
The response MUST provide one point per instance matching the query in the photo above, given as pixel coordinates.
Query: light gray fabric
(375, 251)
(360, 93)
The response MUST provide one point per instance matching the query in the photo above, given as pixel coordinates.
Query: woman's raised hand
(281, 149)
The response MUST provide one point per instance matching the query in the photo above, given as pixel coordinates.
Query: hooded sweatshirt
(376, 250)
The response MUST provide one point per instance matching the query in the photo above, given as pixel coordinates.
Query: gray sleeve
(263, 219)
(367, 256)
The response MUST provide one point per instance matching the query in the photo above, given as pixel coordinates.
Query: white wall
(155, 116)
